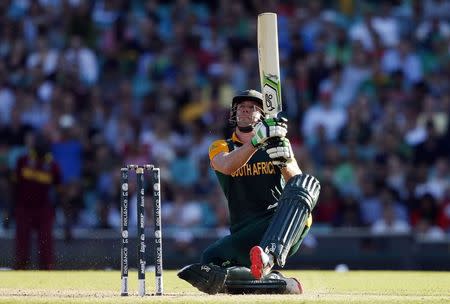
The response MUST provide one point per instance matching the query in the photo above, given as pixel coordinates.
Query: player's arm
(229, 162)
(291, 169)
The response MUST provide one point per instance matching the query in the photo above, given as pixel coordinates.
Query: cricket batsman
(270, 202)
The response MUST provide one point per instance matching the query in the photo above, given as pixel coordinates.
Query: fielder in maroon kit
(35, 177)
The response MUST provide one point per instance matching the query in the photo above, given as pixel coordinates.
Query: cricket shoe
(293, 286)
(261, 262)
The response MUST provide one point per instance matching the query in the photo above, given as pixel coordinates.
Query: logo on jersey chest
(39, 176)
(254, 169)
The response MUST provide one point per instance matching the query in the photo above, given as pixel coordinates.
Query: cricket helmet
(246, 95)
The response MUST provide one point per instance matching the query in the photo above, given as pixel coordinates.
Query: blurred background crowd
(365, 86)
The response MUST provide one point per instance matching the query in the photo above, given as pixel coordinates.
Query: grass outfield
(320, 287)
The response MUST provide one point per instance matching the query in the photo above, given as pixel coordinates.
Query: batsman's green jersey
(252, 193)
(253, 190)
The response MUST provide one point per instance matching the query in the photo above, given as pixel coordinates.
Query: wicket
(124, 214)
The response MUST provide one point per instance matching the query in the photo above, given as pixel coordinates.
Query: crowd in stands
(365, 85)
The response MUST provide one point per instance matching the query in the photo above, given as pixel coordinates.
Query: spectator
(385, 25)
(183, 169)
(438, 181)
(371, 207)
(431, 149)
(7, 102)
(323, 114)
(436, 8)
(424, 218)
(444, 212)
(329, 201)
(82, 61)
(390, 223)
(44, 58)
(349, 216)
(404, 58)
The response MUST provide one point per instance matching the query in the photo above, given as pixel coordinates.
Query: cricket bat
(269, 66)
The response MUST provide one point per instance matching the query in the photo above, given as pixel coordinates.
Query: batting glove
(269, 128)
(280, 151)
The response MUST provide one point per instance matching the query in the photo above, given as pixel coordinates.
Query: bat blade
(269, 66)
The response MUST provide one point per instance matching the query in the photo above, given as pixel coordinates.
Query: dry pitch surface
(320, 287)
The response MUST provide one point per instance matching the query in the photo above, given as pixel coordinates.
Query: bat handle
(272, 142)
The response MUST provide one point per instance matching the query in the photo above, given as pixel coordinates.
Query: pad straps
(294, 207)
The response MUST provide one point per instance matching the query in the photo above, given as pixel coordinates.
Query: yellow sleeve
(217, 147)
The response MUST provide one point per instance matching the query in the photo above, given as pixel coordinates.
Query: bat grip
(272, 142)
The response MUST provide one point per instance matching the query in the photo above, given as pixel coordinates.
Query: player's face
(248, 113)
